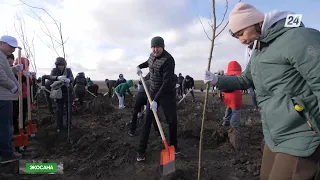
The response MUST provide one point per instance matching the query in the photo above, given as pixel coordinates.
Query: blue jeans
(6, 117)
(232, 116)
(253, 97)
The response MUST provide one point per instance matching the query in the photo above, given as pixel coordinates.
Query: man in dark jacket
(180, 80)
(162, 91)
(111, 84)
(188, 85)
(64, 74)
(80, 84)
(120, 80)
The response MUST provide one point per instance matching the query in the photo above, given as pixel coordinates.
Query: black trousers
(140, 101)
(180, 90)
(110, 92)
(168, 104)
(15, 120)
(61, 103)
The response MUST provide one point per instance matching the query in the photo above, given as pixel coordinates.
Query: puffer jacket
(233, 99)
(80, 84)
(284, 69)
(55, 72)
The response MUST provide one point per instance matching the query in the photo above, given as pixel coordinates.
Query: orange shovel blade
(21, 139)
(31, 128)
(167, 160)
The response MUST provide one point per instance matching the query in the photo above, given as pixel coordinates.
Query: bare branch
(224, 15)
(28, 48)
(58, 25)
(204, 29)
(48, 33)
(224, 27)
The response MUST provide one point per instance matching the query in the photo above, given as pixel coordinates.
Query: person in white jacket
(9, 91)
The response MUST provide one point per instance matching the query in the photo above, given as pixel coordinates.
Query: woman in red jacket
(25, 74)
(233, 100)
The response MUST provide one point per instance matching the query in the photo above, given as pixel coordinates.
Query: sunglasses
(231, 33)
(237, 34)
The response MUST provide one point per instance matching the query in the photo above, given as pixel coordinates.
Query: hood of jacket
(81, 75)
(272, 27)
(234, 68)
(130, 83)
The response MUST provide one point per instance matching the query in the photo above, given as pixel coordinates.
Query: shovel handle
(154, 113)
(91, 93)
(28, 92)
(44, 88)
(20, 92)
(184, 97)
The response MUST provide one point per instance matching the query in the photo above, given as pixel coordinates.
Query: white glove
(154, 105)
(18, 67)
(86, 87)
(66, 80)
(61, 78)
(184, 95)
(211, 78)
(177, 85)
(139, 72)
(42, 87)
(26, 74)
(14, 89)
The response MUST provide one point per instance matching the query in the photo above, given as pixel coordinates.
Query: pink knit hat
(244, 15)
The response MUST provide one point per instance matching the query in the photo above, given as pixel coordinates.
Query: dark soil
(100, 148)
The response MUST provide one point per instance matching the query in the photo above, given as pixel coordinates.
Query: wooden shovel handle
(154, 113)
(20, 92)
(28, 91)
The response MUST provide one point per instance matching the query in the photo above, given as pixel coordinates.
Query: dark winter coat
(120, 81)
(55, 72)
(80, 84)
(161, 74)
(111, 83)
(187, 84)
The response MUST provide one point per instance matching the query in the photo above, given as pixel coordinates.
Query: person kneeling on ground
(121, 89)
(284, 69)
(233, 100)
(188, 85)
(80, 84)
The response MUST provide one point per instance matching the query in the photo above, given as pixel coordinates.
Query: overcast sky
(108, 37)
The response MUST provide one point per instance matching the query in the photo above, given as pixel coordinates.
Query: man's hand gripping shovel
(167, 156)
(184, 96)
(21, 140)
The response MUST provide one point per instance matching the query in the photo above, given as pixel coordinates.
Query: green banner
(41, 167)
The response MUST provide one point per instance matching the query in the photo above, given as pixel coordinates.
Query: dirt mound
(100, 147)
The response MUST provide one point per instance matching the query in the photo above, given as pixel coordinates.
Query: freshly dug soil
(100, 148)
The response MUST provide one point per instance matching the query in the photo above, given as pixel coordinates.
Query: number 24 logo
(293, 20)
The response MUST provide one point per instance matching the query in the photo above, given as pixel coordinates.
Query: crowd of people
(282, 74)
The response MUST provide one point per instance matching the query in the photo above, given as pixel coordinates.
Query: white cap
(10, 40)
